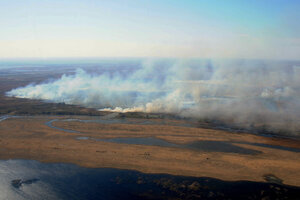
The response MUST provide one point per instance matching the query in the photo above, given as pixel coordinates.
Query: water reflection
(203, 145)
(49, 124)
(26, 179)
(141, 141)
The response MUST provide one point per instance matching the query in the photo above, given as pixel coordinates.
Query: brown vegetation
(30, 138)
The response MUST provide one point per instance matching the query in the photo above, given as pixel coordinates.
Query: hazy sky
(151, 28)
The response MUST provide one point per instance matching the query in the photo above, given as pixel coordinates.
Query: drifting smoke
(249, 93)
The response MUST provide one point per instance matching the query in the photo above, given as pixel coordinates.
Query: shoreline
(211, 126)
(277, 182)
(30, 138)
(36, 180)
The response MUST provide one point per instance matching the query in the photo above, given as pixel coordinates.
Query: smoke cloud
(248, 93)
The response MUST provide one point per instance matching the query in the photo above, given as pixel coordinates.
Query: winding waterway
(208, 146)
(203, 145)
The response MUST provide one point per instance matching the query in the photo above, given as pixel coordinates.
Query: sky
(259, 29)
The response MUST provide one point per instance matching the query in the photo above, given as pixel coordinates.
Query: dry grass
(31, 139)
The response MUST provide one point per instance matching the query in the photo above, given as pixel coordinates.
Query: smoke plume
(249, 93)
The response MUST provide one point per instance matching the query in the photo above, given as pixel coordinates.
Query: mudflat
(99, 142)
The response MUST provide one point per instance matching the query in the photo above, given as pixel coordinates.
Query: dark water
(26, 179)
(220, 146)
(297, 150)
(112, 120)
(203, 145)
(109, 119)
(49, 124)
(4, 117)
(141, 141)
(208, 146)
(83, 138)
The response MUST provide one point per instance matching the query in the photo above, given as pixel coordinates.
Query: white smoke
(252, 93)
